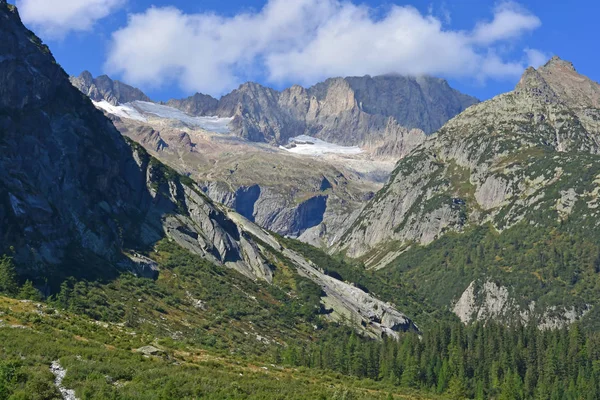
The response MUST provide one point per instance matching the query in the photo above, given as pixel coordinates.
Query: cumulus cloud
(56, 18)
(510, 21)
(307, 40)
(536, 58)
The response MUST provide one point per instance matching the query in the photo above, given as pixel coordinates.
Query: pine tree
(63, 298)
(29, 292)
(8, 277)
(410, 372)
(457, 389)
(512, 387)
(479, 391)
(443, 377)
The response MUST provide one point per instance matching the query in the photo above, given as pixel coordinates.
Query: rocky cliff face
(62, 164)
(104, 88)
(485, 165)
(198, 104)
(72, 186)
(77, 200)
(362, 111)
(484, 301)
(257, 115)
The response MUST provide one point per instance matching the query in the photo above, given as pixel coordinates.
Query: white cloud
(56, 18)
(307, 40)
(536, 58)
(510, 21)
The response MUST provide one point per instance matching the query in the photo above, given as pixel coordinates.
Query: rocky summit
(103, 88)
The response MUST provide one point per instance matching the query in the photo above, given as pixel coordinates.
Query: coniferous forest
(459, 362)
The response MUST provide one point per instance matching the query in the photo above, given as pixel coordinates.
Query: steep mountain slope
(304, 190)
(73, 188)
(528, 157)
(77, 200)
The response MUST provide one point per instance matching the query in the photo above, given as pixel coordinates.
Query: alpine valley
(381, 237)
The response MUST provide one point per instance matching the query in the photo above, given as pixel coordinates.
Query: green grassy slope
(102, 363)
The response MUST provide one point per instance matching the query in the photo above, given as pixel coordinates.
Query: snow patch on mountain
(143, 111)
(122, 111)
(308, 145)
(212, 124)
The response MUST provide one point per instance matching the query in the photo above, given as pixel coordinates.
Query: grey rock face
(198, 104)
(391, 112)
(487, 301)
(424, 103)
(257, 115)
(71, 184)
(104, 88)
(270, 208)
(474, 169)
(63, 166)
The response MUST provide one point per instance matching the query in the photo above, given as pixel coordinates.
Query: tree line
(479, 361)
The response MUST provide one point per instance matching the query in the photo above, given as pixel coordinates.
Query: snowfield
(319, 147)
(142, 110)
(212, 124)
(122, 111)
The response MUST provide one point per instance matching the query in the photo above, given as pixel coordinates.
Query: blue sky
(173, 48)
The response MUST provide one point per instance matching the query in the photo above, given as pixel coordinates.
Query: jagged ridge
(388, 114)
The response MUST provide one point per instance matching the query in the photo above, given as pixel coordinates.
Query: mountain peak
(86, 77)
(558, 63)
(572, 87)
(198, 104)
(533, 84)
(104, 88)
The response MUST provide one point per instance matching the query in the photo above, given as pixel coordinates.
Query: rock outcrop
(104, 88)
(485, 301)
(198, 104)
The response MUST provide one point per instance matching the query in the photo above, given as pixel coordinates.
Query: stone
(149, 351)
